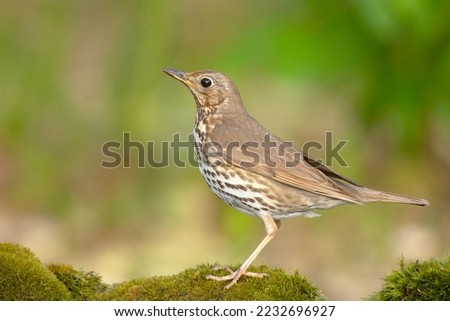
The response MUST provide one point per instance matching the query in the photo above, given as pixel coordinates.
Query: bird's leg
(271, 226)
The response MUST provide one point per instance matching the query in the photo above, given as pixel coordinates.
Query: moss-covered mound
(417, 281)
(192, 285)
(24, 277)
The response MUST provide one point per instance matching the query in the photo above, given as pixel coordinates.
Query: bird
(258, 173)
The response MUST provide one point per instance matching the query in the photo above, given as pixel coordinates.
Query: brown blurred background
(76, 74)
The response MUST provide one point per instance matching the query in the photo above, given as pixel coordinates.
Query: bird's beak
(178, 75)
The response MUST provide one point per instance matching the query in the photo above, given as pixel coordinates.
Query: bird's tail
(372, 195)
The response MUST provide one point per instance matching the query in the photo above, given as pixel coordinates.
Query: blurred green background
(75, 74)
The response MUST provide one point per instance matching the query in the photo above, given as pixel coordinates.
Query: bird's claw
(233, 276)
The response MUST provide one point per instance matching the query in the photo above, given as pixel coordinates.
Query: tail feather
(371, 195)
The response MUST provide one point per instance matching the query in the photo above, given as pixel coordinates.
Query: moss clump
(192, 285)
(23, 277)
(82, 285)
(417, 281)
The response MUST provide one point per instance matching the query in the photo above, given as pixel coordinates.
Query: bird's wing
(317, 163)
(289, 166)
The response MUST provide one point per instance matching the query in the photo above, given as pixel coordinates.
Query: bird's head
(211, 90)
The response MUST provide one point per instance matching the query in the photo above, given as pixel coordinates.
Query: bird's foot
(234, 275)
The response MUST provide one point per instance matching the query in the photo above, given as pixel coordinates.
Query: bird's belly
(233, 190)
(255, 195)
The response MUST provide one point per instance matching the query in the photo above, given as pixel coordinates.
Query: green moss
(24, 277)
(192, 285)
(82, 285)
(417, 281)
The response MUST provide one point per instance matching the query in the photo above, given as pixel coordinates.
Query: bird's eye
(206, 82)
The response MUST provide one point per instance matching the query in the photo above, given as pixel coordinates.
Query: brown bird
(256, 172)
